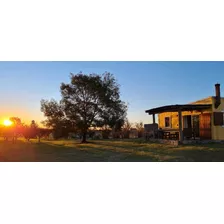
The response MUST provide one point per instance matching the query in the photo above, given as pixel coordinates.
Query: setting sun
(7, 122)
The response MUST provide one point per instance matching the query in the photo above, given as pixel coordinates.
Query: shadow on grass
(183, 153)
(108, 151)
(200, 153)
(90, 152)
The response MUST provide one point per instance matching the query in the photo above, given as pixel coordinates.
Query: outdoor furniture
(166, 135)
(174, 135)
(171, 134)
(177, 135)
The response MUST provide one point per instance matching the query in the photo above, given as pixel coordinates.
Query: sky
(143, 85)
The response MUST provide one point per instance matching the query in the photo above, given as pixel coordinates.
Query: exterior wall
(174, 115)
(217, 131)
(175, 119)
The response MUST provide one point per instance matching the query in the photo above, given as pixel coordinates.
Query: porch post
(154, 121)
(181, 137)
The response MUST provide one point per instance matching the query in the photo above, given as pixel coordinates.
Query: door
(205, 126)
(195, 125)
(187, 130)
(187, 121)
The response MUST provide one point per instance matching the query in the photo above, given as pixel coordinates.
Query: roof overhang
(178, 107)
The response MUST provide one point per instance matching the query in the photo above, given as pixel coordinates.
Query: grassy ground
(107, 151)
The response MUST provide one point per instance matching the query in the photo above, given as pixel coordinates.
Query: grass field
(107, 151)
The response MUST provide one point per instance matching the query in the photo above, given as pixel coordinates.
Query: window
(218, 118)
(167, 122)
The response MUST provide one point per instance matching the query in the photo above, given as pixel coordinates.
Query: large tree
(88, 100)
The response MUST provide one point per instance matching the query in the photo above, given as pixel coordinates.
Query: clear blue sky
(144, 85)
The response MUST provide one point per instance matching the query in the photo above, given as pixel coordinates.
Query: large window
(167, 122)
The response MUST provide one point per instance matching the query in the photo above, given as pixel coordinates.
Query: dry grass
(107, 151)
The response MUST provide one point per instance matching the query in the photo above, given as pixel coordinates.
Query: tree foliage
(54, 113)
(56, 118)
(16, 121)
(126, 128)
(140, 128)
(88, 100)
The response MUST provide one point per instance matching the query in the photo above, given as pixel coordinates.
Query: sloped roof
(207, 100)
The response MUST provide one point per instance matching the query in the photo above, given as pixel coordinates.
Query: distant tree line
(19, 129)
(32, 131)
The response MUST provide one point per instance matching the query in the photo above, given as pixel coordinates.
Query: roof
(207, 100)
(179, 107)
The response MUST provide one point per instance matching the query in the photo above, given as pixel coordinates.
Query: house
(203, 119)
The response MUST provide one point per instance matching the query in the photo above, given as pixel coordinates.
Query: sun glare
(7, 122)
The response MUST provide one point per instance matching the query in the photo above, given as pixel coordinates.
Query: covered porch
(188, 127)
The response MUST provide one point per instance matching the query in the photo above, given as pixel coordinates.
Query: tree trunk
(84, 137)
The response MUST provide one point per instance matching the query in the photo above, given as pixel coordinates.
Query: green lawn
(107, 151)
